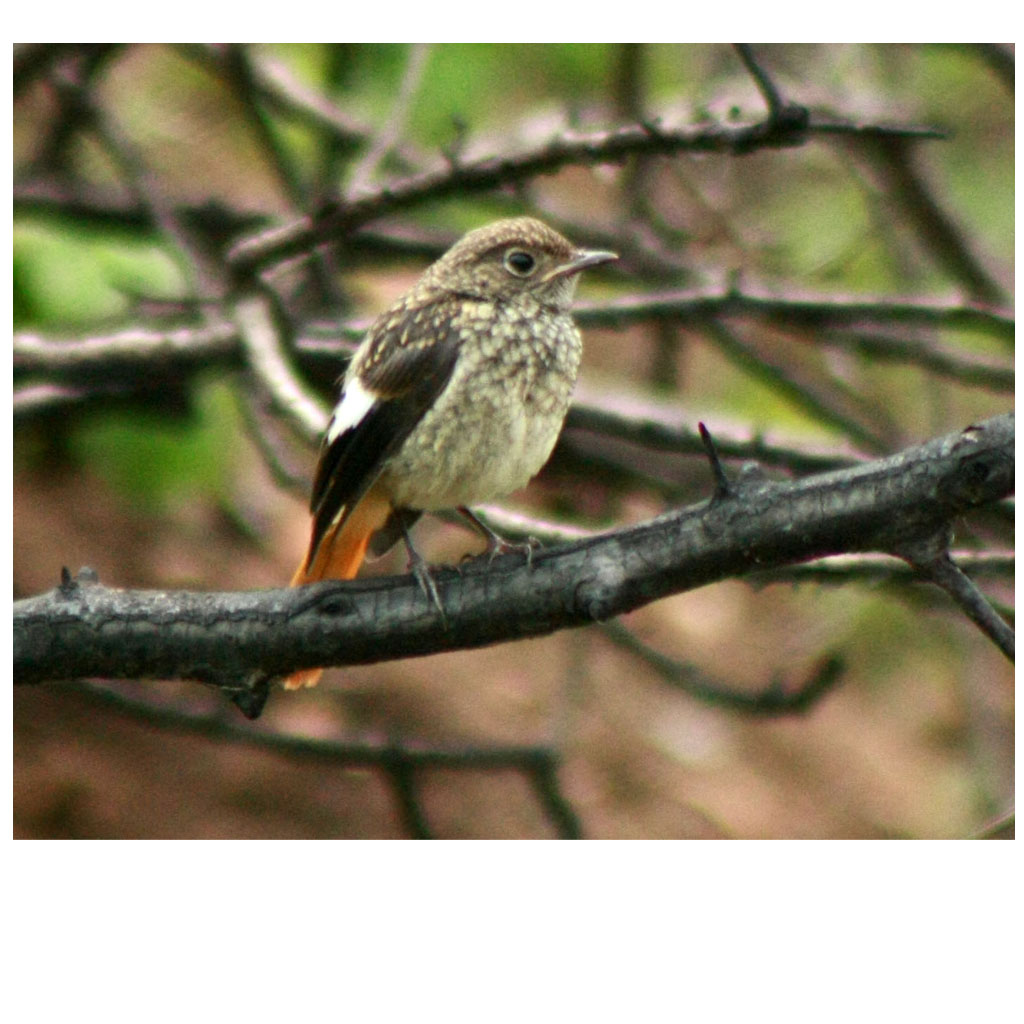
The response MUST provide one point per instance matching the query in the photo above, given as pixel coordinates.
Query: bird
(455, 396)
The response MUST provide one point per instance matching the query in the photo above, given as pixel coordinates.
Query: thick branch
(83, 629)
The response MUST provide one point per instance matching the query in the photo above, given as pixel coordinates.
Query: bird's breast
(496, 422)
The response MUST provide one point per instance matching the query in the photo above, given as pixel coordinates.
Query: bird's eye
(519, 262)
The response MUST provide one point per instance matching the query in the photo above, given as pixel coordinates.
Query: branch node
(652, 127)
(930, 557)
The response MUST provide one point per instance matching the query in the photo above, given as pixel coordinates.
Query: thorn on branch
(723, 489)
(785, 119)
(69, 584)
(252, 700)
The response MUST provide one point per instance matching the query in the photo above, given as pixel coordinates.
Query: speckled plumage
(472, 371)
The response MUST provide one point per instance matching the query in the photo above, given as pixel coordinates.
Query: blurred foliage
(154, 460)
(73, 277)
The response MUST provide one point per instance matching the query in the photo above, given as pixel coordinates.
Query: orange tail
(339, 556)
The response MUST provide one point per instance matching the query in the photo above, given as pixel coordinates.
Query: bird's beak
(581, 260)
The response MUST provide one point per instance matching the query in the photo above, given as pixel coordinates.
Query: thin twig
(257, 325)
(772, 96)
(792, 308)
(783, 382)
(238, 73)
(961, 368)
(775, 699)
(261, 428)
(841, 570)
(393, 125)
(942, 238)
(945, 573)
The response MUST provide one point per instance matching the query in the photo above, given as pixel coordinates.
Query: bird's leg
(496, 544)
(420, 568)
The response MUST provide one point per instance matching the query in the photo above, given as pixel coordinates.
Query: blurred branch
(776, 699)
(43, 399)
(663, 428)
(779, 111)
(999, 57)
(1002, 827)
(236, 69)
(71, 74)
(943, 240)
(83, 360)
(819, 406)
(264, 430)
(453, 177)
(84, 629)
(803, 310)
(962, 368)
(139, 348)
(258, 326)
(841, 570)
(276, 86)
(399, 761)
(390, 130)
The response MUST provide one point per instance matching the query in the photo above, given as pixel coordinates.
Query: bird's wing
(407, 363)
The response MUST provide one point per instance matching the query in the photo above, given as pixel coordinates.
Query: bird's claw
(425, 578)
(505, 547)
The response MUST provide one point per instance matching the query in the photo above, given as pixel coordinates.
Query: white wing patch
(354, 404)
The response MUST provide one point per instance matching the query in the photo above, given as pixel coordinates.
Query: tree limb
(84, 629)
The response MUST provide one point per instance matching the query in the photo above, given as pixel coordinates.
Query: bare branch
(237, 70)
(83, 629)
(965, 369)
(133, 347)
(841, 570)
(393, 125)
(803, 310)
(256, 324)
(942, 238)
(610, 147)
(659, 427)
(778, 109)
(776, 699)
(398, 760)
(821, 407)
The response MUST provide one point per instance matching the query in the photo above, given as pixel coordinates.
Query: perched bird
(456, 395)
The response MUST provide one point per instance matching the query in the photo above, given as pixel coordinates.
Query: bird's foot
(421, 570)
(496, 544)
